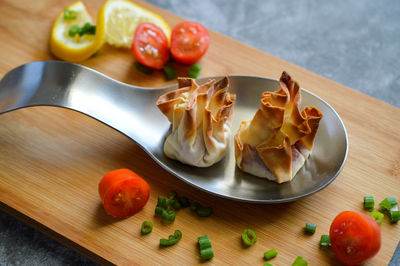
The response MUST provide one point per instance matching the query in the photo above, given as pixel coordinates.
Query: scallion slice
(325, 241)
(249, 236)
(169, 72)
(206, 251)
(394, 216)
(168, 215)
(378, 216)
(299, 261)
(184, 202)
(310, 228)
(73, 30)
(204, 211)
(369, 202)
(172, 239)
(194, 71)
(388, 203)
(270, 254)
(142, 68)
(147, 227)
(268, 264)
(70, 14)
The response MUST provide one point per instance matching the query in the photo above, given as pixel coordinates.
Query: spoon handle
(128, 109)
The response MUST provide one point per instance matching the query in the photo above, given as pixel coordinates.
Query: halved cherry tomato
(150, 46)
(355, 237)
(123, 193)
(189, 42)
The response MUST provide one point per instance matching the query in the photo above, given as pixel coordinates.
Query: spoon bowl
(132, 111)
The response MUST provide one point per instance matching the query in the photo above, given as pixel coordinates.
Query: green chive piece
(369, 202)
(159, 210)
(394, 216)
(172, 239)
(270, 254)
(172, 194)
(249, 237)
(299, 261)
(268, 264)
(206, 251)
(73, 30)
(147, 227)
(388, 203)
(194, 71)
(169, 72)
(168, 215)
(163, 202)
(88, 29)
(310, 228)
(184, 202)
(70, 14)
(194, 206)
(325, 241)
(175, 204)
(142, 68)
(204, 211)
(378, 216)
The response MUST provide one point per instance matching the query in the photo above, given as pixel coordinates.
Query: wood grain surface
(52, 159)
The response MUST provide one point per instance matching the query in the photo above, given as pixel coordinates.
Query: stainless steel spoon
(132, 111)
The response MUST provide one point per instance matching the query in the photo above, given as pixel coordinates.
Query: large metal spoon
(132, 111)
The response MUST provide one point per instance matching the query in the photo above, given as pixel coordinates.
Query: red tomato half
(189, 42)
(355, 237)
(123, 193)
(150, 46)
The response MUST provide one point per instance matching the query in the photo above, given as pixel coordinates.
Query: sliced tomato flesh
(150, 46)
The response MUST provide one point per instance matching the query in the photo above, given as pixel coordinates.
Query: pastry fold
(201, 119)
(278, 140)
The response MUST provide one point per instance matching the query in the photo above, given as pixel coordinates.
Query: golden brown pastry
(201, 119)
(278, 140)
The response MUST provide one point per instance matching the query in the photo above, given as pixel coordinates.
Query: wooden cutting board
(51, 161)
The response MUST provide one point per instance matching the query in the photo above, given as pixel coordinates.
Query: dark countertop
(355, 43)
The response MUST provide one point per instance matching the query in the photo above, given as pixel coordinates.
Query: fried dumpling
(278, 140)
(201, 119)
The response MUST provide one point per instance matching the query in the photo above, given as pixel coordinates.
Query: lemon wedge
(121, 19)
(76, 48)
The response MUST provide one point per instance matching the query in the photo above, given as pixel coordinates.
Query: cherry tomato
(189, 42)
(123, 193)
(355, 237)
(150, 46)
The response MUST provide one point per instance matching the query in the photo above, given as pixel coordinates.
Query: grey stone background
(355, 43)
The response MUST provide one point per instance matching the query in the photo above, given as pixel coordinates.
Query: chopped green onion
(249, 237)
(194, 71)
(310, 228)
(325, 241)
(268, 264)
(172, 239)
(204, 242)
(175, 204)
(172, 194)
(388, 203)
(378, 216)
(169, 72)
(270, 254)
(73, 30)
(206, 251)
(204, 211)
(145, 69)
(299, 261)
(88, 29)
(168, 215)
(184, 202)
(394, 216)
(194, 206)
(163, 202)
(159, 210)
(70, 14)
(147, 227)
(369, 202)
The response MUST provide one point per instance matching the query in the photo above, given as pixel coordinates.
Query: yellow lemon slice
(121, 19)
(78, 47)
